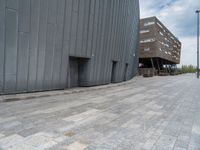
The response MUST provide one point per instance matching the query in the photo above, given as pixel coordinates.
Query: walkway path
(160, 113)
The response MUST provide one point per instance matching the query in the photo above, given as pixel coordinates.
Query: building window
(159, 25)
(149, 23)
(147, 49)
(172, 37)
(161, 33)
(144, 31)
(148, 40)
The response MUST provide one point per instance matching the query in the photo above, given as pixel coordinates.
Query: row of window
(152, 23)
(159, 25)
(166, 39)
(144, 31)
(146, 49)
(164, 44)
(149, 23)
(148, 40)
(175, 41)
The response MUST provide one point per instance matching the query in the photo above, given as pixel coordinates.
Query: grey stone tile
(179, 148)
(165, 142)
(9, 141)
(159, 113)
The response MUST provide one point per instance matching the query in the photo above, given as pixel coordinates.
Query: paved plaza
(159, 113)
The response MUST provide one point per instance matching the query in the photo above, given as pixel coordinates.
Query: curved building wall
(56, 44)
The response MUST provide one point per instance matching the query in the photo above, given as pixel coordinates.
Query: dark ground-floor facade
(156, 66)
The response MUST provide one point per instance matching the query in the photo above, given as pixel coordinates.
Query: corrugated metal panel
(33, 13)
(11, 23)
(2, 43)
(22, 64)
(41, 43)
(38, 37)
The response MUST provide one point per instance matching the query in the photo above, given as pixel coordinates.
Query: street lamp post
(197, 12)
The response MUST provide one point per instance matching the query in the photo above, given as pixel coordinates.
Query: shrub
(188, 69)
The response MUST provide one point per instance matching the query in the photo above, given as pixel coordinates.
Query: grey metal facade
(56, 44)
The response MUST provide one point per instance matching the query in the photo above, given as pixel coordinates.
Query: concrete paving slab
(77, 146)
(10, 141)
(145, 113)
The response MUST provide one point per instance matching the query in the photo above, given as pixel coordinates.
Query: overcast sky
(180, 18)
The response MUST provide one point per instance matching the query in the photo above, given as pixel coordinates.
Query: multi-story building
(57, 44)
(158, 46)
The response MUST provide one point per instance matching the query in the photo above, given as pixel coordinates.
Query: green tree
(188, 69)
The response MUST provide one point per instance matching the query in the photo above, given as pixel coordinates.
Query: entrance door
(125, 72)
(114, 70)
(73, 73)
(77, 71)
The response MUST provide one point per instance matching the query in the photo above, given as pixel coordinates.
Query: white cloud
(189, 50)
(180, 18)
